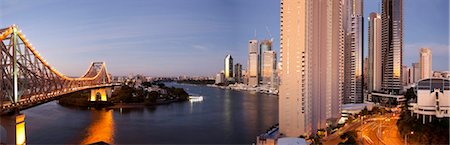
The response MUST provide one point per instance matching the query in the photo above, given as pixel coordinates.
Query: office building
(405, 75)
(353, 51)
(312, 73)
(268, 68)
(238, 73)
(253, 63)
(392, 46)
(228, 68)
(374, 74)
(220, 78)
(425, 63)
(265, 45)
(416, 72)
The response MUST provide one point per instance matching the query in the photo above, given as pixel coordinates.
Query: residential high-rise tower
(353, 51)
(312, 69)
(375, 68)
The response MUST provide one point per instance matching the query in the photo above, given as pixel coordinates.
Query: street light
(406, 137)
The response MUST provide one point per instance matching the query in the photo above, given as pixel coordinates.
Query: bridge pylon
(100, 94)
(15, 129)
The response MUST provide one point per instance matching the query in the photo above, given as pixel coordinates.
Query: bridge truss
(26, 77)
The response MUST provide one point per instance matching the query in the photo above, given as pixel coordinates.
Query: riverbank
(125, 96)
(243, 87)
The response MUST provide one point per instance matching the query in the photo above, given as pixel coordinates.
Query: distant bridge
(26, 78)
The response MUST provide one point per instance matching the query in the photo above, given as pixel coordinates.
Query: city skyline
(61, 38)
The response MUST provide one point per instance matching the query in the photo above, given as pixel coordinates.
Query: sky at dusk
(184, 37)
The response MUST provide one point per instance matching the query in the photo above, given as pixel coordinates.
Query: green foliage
(128, 94)
(364, 111)
(435, 132)
(76, 99)
(350, 119)
(349, 137)
(179, 93)
(409, 95)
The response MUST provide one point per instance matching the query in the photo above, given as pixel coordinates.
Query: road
(377, 130)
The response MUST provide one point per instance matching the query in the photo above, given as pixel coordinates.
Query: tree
(365, 111)
(349, 137)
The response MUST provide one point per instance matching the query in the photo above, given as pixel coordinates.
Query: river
(223, 117)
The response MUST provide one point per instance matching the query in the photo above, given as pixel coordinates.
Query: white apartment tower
(375, 54)
(312, 71)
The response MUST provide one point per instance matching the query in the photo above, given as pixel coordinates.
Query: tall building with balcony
(253, 63)
(374, 74)
(353, 51)
(392, 46)
(312, 69)
(228, 68)
(425, 63)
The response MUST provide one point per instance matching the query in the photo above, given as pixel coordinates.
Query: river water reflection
(223, 117)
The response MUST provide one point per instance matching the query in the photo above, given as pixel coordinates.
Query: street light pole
(406, 137)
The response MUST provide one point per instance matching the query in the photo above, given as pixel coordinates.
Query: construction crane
(270, 34)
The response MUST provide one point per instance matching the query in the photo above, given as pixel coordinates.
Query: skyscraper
(265, 45)
(268, 67)
(405, 75)
(253, 63)
(416, 72)
(375, 54)
(238, 73)
(392, 46)
(353, 51)
(228, 68)
(425, 63)
(365, 72)
(312, 65)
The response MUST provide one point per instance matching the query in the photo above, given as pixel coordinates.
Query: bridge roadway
(42, 98)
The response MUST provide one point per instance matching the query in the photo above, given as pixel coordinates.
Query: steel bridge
(27, 79)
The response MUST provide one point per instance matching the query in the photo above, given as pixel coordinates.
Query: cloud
(200, 47)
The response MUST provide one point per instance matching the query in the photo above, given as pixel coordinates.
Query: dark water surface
(223, 117)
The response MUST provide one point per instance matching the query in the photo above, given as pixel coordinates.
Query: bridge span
(27, 79)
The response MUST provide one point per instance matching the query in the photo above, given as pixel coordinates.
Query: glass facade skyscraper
(392, 46)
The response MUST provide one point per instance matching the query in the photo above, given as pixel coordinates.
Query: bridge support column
(100, 94)
(15, 129)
